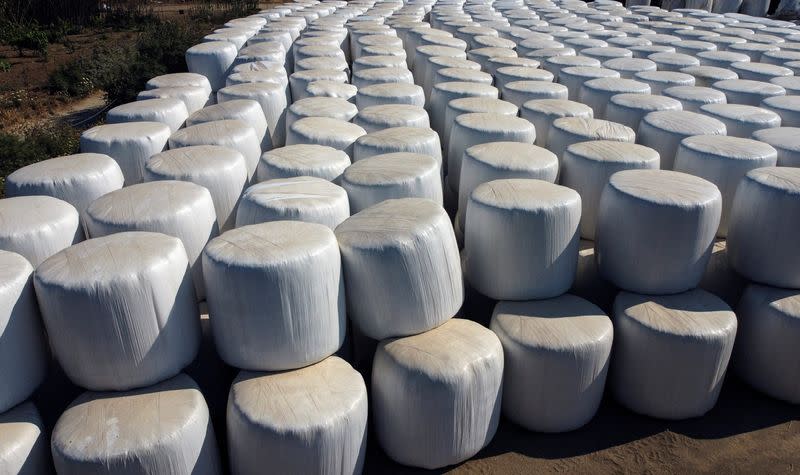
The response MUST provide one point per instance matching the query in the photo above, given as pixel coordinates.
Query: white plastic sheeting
(375, 118)
(660, 80)
(271, 97)
(233, 134)
(655, 229)
(557, 353)
(628, 67)
(326, 88)
(311, 420)
(398, 93)
(671, 352)
(597, 92)
(245, 110)
(569, 130)
(130, 145)
(23, 350)
(382, 61)
(673, 61)
(392, 75)
(36, 227)
(520, 92)
(664, 130)
(742, 120)
(275, 76)
(787, 107)
(303, 198)
(180, 80)
(443, 93)
(158, 429)
(300, 80)
(392, 176)
(586, 167)
(722, 59)
(275, 295)
(401, 267)
(759, 71)
(399, 139)
(170, 111)
(555, 64)
(330, 107)
(507, 74)
(436, 396)
(263, 51)
(705, 76)
(120, 310)
(693, 98)
(193, 97)
(542, 112)
(744, 91)
(574, 76)
(766, 354)
(468, 105)
(24, 447)
(521, 239)
(724, 161)
(325, 131)
(302, 160)
(630, 109)
(763, 229)
(784, 140)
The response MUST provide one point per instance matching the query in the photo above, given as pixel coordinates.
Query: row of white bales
(127, 238)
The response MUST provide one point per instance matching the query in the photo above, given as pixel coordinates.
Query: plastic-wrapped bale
(391, 176)
(36, 227)
(276, 76)
(302, 160)
(77, 179)
(234, 134)
(596, 93)
(325, 131)
(508, 74)
(401, 267)
(265, 313)
(586, 167)
(463, 75)
(271, 97)
(265, 51)
(478, 128)
(302, 198)
(644, 51)
(443, 93)
(486, 162)
(671, 352)
(193, 97)
(766, 354)
(374, 40)
(628, 67)
(724, 161)
(161, 427)
(482, 55)
(762, 231)
(569, 130)
(787, 107)
(742, 120)
(169, 111)
(320, 57)
(521, 239)
(748, 92)
(327, 88)
(496, 62)
(238, 38)
(721, 59)
(399, 139)
(784, 140)
(645, 210)
(780, 57)
(213, 60)
(330, 107)
(245, 110)
(759, 71)
(398, 93)
(453, 70)
(391, 75)
(706, 76)
(555, 64)
(180, 80)
(120, 310)
(543, 112)
(573, 77)
(692, 47)
(24, 447)
(630, 109)
(606, 53)
(300, 80)
(664, 130)
(693, 98)
(436, 396)
(423, 53)
(790, 83)
(661, 80)
(544, 53)
(375, 118)
(753, 50)
(129, 144)
(257, 66)
(520, 92)
(310, 420)
(468, 105)
(564, 341)
(383, 61)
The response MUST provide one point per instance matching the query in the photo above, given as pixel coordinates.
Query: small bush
(5, 66)
(24, 37)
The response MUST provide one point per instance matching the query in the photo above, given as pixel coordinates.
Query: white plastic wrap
(436, 63)
(492, 64)
(77, 179)
(597, 92)
(423, 53)
(36, 227)
(271, 97)
(693, 98)
(399, 93)
(245, 110)
(520, 92)
(443, 93)
(721, 59)
(238, 38)
(330, 107)
(784, 140)
(234, 134)
(557, 353)
(521, 239)
(399, 139)
(375, 118)
(158, 429)
(673, 61)
(655, 229)
(335, 133)
(382, 61)
(120, 310)
(555, 64)
(542, 112)
(212, 60)
(763, 232)
(302, 198)
(705, 76)
(193, 97)
(790, 83)
(24, 447)
(401, 267)
(130, 145)
(586, 167)
(468, 105)
(742, 120)
(507, 74)
(311, 420)
(787, 107)
(766, 354)
(327, 88)
(753, 50)
(743, 91)
(671, 352)
(462, 74)
(606, 53)
(275, 295)
(661, 80)
(179, 80)
(300, 80)
(170, 111)
(275, 76)
(569, 130)
(664, 130)
(628, 67)
(302, 160)
(436, 396)
(271, 51)
(630, 109)
(369, 77)
(574, 76)
(759, 71)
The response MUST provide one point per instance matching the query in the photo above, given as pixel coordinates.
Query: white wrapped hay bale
(661, 80)
(23, 350)
(382, 61)
(643, 51)
(555, 64)
(436, 395)
(391, 75)
(496, 62)
(245, 110)
(724, 161)
(222, 171)
(168, 111)
(630, 109)
(693, 47)
(569, 130)
(325, 131)
(327, 88)
(271, 97)
(275, 76)
(399, 93)
(760, 71)
(129, 144)
(752, 93)
(443, 93)
(586, 167)
(271, 51)
(375, 118)
(520, 92)
(24, 447)
(705, 76)
(742, 120)
(721, 59)
(673, 61)
(628, 67)
(234, 134)
(762, 233)
(237, 37)
(392, 176)
(319, 57)
(694, 98)
(671, 352)
(36, 227)
(787, 107)
(521, 239)
(790, 83)
(752, 49)
(120, 310)
(302, 160)
(664, 130)
(574, 76)
(456, 67)
(275, 295)
(399, 139)
(784, 140)
(302, 198)
(300, 80)
(77, 179)
(330, 107)
(180, 80)
(597, 92)
(507, 74)
(676, 213)
(311, 420)
(148, 430)
(469, 105)
(766, 355)
(401, 267)
(193, 97)
(213, 60)
(543, 112)
(447, 74)
(557, 353)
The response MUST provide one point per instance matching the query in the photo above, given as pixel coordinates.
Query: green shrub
(24, 37)
(5, 66)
